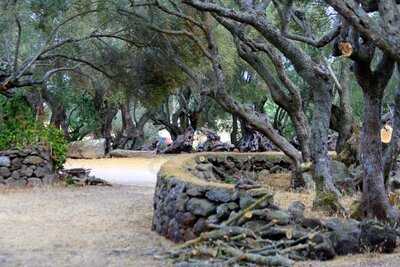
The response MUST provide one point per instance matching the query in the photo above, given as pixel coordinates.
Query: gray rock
(200, 207)
(185, 219)
(5, 172)
(42, 171)
(344, 235)
(88, 149)
(200, 226)
(34, 182)
(34, 160)
(195, 191)
(26, 171)
(324, 249)
(205, 171)
(174, 232)
(15, 175)
(45, 154)
(213, 219)
(376, 236)
(224, 210)
(5, 161)
(16, 164)
(220, 195)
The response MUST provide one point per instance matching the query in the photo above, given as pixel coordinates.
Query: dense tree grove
(302, 77)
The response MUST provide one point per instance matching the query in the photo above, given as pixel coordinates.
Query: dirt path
(92, 226)
(126, 171)
(101, 226)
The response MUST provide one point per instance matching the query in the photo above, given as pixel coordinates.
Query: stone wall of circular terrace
(196, 190)
(26, 167)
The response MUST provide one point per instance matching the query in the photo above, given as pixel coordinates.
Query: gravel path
(91, 226)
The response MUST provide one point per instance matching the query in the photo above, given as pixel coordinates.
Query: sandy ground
(92, 226)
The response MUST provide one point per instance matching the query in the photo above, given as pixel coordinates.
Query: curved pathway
(89, 226)
(100, 226)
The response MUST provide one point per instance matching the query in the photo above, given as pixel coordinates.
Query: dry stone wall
(183, 207)
(26, 167)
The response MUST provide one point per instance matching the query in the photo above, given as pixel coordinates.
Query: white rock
(89, 149)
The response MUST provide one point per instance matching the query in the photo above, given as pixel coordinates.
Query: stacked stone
(26, 167)
(182, 210)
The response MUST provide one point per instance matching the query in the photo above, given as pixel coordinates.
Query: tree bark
(375, 200)
(108, 115)
(322, 96)
(132, 134)
(392, 152)
(234, 132)
(345, 118)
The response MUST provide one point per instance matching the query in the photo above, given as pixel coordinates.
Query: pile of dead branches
(264, 235)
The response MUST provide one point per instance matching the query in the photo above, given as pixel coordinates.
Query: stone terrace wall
(185, 204)
(26, 167)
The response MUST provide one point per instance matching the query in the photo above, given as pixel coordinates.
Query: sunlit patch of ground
(126, 171)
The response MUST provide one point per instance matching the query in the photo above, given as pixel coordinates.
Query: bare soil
(91, 226)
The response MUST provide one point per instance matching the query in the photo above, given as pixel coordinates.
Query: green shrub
(19, 129)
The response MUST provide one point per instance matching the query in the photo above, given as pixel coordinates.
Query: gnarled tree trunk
(375, 200)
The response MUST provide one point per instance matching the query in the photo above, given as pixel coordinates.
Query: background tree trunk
(322, 95)
(235, 130)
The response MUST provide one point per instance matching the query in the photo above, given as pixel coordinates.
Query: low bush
(20, 129)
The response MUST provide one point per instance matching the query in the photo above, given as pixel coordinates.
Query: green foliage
(19, 129)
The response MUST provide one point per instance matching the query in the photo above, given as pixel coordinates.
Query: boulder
(5, 161)
(200, 207)
(89, 149)
(123, 153)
